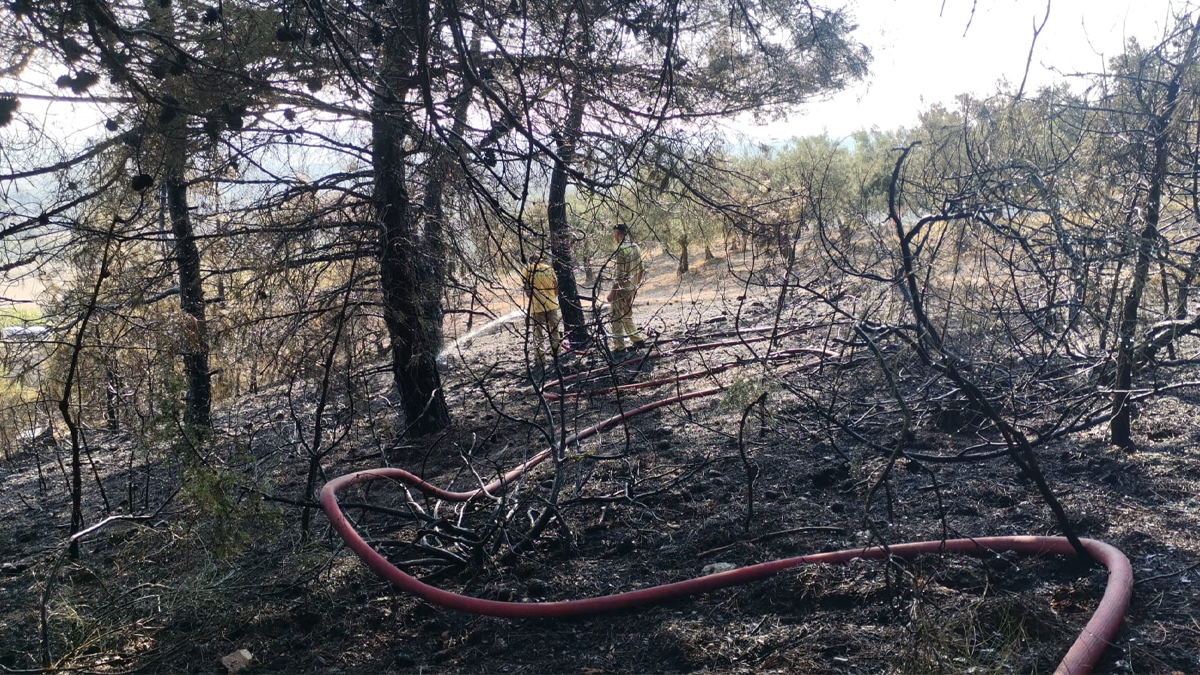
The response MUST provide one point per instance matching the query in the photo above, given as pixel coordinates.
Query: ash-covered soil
(223, 566)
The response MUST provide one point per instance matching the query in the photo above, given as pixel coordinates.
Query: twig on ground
(772, 535)
(1176, 573)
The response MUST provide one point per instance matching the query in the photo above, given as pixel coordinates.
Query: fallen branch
(773, 535)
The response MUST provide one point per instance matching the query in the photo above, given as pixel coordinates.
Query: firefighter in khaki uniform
(541, 287)
(628, 271)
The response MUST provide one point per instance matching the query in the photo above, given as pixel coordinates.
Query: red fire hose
(1079, 659)
(329, 502)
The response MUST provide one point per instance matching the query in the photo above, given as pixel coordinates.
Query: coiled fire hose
(1080, 659)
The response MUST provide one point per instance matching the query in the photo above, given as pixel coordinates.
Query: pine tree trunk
(433, 249)
(191, 300)
(433, 254)
(683, 254)
(414, 364)
(112, 395)
(194, 350)
(560, 236)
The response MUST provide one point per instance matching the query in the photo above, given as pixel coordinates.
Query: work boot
(569, 349)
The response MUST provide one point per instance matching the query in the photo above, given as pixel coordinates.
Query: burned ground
(224, 566)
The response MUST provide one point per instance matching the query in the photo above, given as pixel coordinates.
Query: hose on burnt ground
(1080, 659)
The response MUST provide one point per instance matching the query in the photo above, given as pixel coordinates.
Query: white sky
(927, 51)
(921, 55)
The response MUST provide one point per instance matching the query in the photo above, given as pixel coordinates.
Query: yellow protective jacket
(541, 287)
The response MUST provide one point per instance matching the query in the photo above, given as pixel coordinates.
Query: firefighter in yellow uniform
(541, 288)
(628, 271)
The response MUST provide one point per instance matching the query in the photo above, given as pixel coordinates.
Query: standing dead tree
(930, 347)
(64, 403)
(1162, 127)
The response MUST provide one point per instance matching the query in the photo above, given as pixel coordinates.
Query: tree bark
(194, 349)
(191, 298)
(556, 215)
(433, 250)
(112, 395)
(683, 254)
(414, 363)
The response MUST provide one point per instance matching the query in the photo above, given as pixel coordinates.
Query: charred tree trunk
(64, 403)
(194, 349)
(1183, 292)
(556, 215)
(112, 395)
(433, 250)
(930, 348)
(191, 301)
(1119, 426)
(683, 254)
(414, 364)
